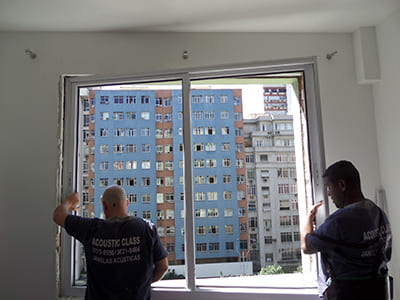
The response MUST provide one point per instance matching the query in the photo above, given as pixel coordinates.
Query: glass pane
(130, 138)
(245, 177)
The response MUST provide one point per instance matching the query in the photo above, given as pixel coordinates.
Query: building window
(239, 163)
(169, 181)
(209, 98)
(170, 230)
(197, 99)
(145, 164)
(118, 165)
(212, 212)
(238, 131)
(167, 117)
(169, 165)
(199, 163)
(131, 164)
(243, 245)
(200, 196)
(160, 181)
(130, 131)
(103, 165)
(226, 162)
(130, 99)
(131, 181)
(198, 147)
(160, 214)
(211, 179)
(159, 133)
(227, 179)
(229, 246)
(283, 188)
(197, 115)
(104, 100)
(167, 102)
(119, 181)
(145, 115)
(103, 182)
(225, 130)
(238, 116)
(130, 115)
(160, 198)
(209, 115)
(242, 211)
(168, 133)
(201, 247)
(131, 148)
(118, 148)
(118, 99)
(239, 147)
(224, 115)
(213, 247)
(240, 194)
(212, 196)
(227, 195)
(211, 146)
(168, 149)
(170, 214)
(201, 230)
(223, 99)
(213, 229)
(146, 214)
(104, 116)
(249, 158)
(103, 132)
(211, 163)
(118, 115)
(226, 146)
(268, 239)
(198, 131)
(159, 149)
(284, 205)
(200, 213)
(228, 212)
(146, 148)
(145, 132)
(146, 198)
(285, 220)
(145, 181)
(236, 100)
(210, 131)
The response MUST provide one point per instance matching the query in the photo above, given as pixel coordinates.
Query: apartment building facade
(134, 138)
(272, 191)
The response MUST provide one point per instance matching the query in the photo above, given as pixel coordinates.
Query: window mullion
(188, 184)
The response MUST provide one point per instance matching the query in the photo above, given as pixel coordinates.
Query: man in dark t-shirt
(355, 241)
(124, 255)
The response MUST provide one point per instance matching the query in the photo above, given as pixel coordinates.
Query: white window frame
(70, 133)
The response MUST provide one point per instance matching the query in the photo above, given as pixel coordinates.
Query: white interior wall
(387, 110)
(28, 119)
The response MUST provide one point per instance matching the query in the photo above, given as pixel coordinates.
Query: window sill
(284, 286)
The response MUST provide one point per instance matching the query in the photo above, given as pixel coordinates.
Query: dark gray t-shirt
(120, 253)
(354, 241)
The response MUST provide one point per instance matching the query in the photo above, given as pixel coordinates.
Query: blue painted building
(134, 148)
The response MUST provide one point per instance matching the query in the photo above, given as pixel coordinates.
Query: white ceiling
(194, 16)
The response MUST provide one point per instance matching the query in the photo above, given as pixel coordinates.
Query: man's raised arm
(63, 210)
(308, 229)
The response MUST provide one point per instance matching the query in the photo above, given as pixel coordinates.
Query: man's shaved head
(113, 195)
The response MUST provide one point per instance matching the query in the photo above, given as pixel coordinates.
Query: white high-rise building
(272, 191)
